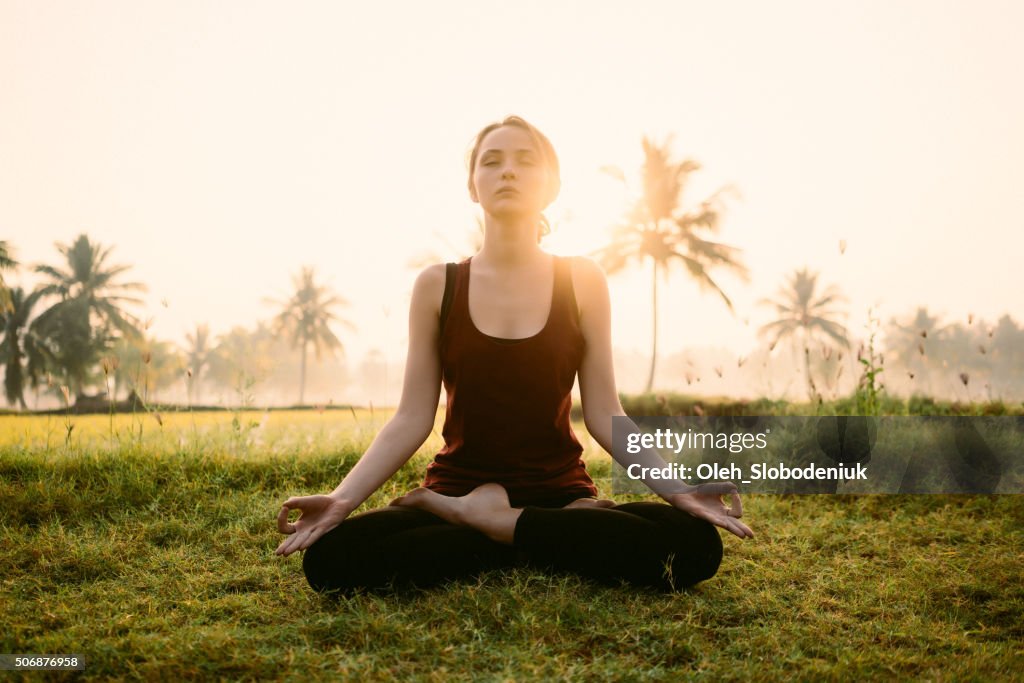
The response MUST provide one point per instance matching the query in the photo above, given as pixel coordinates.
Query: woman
(507, 331)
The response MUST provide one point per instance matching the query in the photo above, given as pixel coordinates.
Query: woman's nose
(508, 172)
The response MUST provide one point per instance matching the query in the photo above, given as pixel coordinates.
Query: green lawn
(152, 556)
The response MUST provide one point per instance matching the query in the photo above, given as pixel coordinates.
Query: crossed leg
(424, 538)
(399, 545)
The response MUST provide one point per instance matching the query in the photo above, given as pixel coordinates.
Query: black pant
(646, 544)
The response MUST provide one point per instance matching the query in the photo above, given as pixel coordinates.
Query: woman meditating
(507, 331)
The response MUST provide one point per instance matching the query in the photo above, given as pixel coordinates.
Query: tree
(21, 352)
(145, 365)
(803, 311)
(659, 229)
(7, 262)
(240, 359)
(197, 355)
(306, 319)
(88, 317)
(915, 344)
(1006, 340)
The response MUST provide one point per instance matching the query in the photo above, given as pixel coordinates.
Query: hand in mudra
(320, 514)
(705, 501)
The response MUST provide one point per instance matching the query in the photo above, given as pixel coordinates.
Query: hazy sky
(222, 145)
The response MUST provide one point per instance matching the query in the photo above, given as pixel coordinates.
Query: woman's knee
(323, 568)
(698, 556)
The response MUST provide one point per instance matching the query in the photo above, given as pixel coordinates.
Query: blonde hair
(547, 151)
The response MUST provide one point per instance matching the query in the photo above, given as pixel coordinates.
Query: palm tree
(145, 365)
(241, 359)
(306, 318)
(197, 356)
(88, 316)
(20, 343)
(915, 342)
(802, 310)
(7, 262)
(1007, 348)
(659, 229)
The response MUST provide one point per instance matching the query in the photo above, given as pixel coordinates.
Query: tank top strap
(565, 295)
(461, 298)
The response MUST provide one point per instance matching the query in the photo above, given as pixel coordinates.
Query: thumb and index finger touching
(283, 525)
(725, 488)
(733, 511)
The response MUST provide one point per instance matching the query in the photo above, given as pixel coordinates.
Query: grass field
(147, 546)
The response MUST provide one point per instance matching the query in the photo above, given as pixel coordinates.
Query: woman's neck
(509, 242)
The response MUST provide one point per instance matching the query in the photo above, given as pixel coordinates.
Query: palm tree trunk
(654, 333)
(302, 377)
(807, 366)
(76, 385)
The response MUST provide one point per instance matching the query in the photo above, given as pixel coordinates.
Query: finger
(725, 522)
(311, 538)
(294, 542)
(282, 549)
(283, 525)
(734, 527)
(743, 530)
(737, 505)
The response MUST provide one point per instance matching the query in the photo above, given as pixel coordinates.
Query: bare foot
(445, 507)
(485, 508)
(414, 498)
(591, 503)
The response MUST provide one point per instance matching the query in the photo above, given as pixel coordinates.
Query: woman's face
(510, 176)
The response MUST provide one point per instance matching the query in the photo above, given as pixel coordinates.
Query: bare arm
(597, 378)
(421, 389)
(601, 403)
(397, 441)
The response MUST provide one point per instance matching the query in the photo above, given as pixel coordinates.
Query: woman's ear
(472, 193)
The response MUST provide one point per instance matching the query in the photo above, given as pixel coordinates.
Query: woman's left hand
(705, 501)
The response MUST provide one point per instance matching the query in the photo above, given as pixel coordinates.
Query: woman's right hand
(319, 515)
(705, 501)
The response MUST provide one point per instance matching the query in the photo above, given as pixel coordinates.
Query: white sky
(221, 146)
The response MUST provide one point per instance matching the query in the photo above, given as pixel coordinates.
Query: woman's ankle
(499, 526)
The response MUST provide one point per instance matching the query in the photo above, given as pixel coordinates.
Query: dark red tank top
(507, 413)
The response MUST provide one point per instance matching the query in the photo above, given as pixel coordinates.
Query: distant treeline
(74, 343)
(636, 405)
(679, 405)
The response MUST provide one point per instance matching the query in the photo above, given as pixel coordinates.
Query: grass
(152, 556)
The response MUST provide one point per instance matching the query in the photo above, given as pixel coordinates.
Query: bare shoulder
(429, 287)
(588, 279)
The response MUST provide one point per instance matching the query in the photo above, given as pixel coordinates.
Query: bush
(672, 404)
